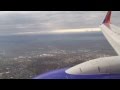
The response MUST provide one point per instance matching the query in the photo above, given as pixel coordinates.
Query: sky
(35, 21)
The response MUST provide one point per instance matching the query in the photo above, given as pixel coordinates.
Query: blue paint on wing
(57, 74)
(60, 74)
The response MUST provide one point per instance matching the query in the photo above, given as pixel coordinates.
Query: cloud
(30, 21)
(59, 31)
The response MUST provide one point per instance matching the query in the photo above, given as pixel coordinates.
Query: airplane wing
(101, 68)
(111, 32)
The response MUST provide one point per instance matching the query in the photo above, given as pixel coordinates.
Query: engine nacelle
(106, 65)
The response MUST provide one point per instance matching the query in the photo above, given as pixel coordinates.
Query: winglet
(107, 19)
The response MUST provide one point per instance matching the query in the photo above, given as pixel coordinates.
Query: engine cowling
(106, 65)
